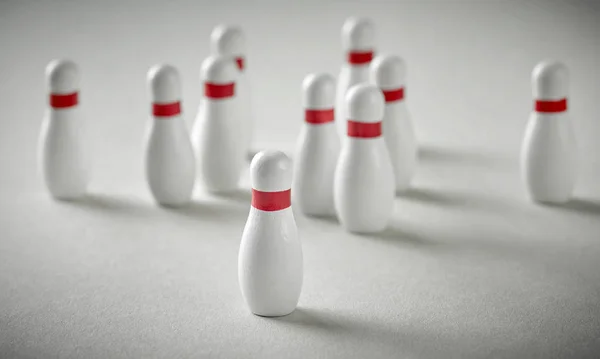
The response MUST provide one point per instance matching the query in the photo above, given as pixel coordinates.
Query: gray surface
(469, 269)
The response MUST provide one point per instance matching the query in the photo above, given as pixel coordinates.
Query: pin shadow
(102, 202)
(580, 205)
(433, 196)
(436, 154)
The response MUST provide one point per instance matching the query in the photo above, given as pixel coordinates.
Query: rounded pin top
(62, 77)
(318, 91)
(164, 84)
(550, 80)
(228, 40)
(219, 70)
(271, 171)
(358, 34)
(388, 72)
(365, 103)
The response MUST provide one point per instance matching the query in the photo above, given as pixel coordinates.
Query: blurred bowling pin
(170, 162)
(548, 153)
(358, 43)
(317, 148)
(389, 74)
(63, 152)
(217, 134)
(229, 41)
(364, 178)
(270, 265)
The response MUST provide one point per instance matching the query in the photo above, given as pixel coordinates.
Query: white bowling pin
(364, 178)
(270, 265)
(358, 43)
(217, 134)
(317, 149)
(389, 74)
(63, 154)
(170, 162)
(230, 41)
(549, 153)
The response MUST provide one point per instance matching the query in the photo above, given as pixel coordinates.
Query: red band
(360, 58)
(551, 106)
(219, 91)
(394, 95)
(166, 109)
(271, 201)
(64, 101)
(240, 63)
(319, 116)
(364, 130)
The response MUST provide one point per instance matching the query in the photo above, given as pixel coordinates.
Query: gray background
(468, 269)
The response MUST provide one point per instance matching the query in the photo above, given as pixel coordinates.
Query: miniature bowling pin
(358, 43)
(270, 265)
(317, 148)
(217, 134)
(389, 74)
(364, 178)
(229, 41)
(548, 153)
(63, 152)
(170, 162)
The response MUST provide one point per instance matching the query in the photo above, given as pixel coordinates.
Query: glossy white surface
(469, 268)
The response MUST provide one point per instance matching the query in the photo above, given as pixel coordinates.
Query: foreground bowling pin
(358, 42)
(317, 148)
(270, 265)
(170, 162)
(364, 178)
(229, 41)
(217, 134)
(389, 74)
(63, 152)
(548, 153)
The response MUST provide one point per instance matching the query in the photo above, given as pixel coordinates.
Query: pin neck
(219, 91)
(271, 201)
(166, 109)
(550, 106)
(60, 101)
(360, 57)
(393, 95)
(317, 117)
(364, 130)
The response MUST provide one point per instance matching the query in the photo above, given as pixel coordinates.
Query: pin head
(62, 77)
(219, 70)
(550, 81)
(364, 103)
(318, 91)
(164, 84)
(271, 171)
(358, 34)
(388, 72)
(228, 40)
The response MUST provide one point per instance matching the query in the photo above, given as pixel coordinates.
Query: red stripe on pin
(64, 101)
(240, 63)
(219, 91)
(364, 130)
(271, 201)
(360, 58)
(393, 95)
(166, 109)
(545, 106)
(319, 116)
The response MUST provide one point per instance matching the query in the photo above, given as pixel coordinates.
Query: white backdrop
(468, 269)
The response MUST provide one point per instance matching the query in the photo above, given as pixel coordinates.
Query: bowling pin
(317, 148)
(63, 152)
(548, 152)
(389, 74)
(217, 133)
(230, 41)
(358, 43)
(364, 178)
(270, 265)
(170, 162)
